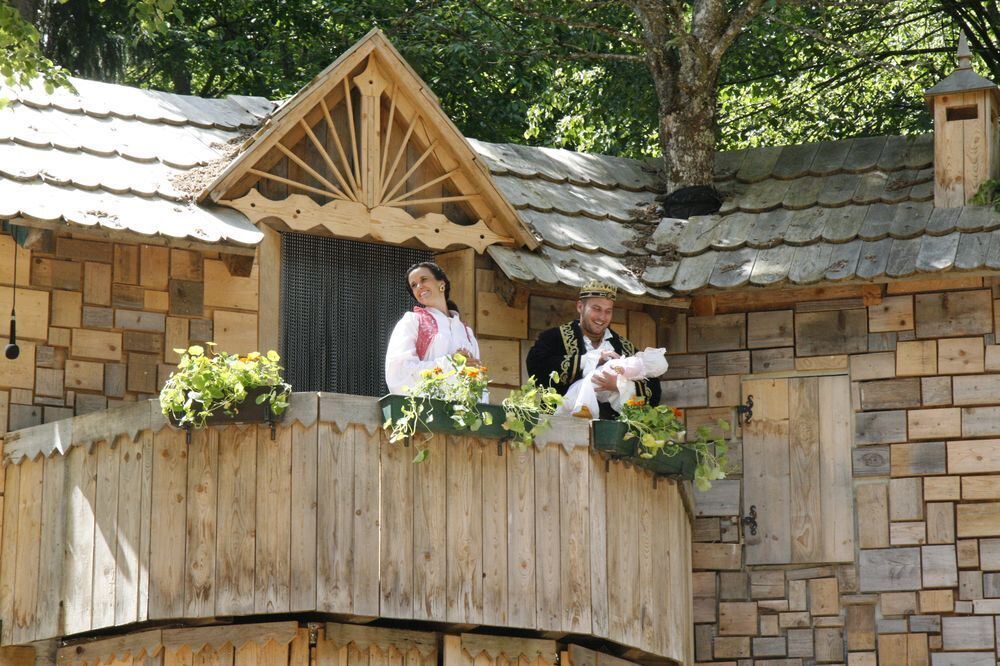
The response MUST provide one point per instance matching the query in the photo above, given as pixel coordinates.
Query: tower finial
(964, 54)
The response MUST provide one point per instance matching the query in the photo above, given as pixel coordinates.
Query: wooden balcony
(112, 519)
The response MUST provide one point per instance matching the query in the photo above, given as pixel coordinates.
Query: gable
(365, 152)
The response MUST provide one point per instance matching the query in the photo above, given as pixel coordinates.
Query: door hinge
(744, 412)
(750, 520)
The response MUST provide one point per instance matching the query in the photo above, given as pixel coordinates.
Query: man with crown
(569, 351)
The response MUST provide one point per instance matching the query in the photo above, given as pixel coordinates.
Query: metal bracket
(744, 412)
(750, 520)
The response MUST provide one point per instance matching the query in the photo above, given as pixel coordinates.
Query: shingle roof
(122, 158)
(838, 210)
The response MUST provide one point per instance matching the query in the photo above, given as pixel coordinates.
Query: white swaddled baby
(582, 398)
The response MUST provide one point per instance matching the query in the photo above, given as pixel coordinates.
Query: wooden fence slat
(521, 538)
(548, 604)
(105, 535)
(335, 520)
(667, 549)
(237, 522)
(430, 524)
(623, 558)
(806, 536)
(495, 600)
(51, 548)
(598, 546)
(166, 560)
(202, 511)
(366, 536)
(396, 525)
(145, 522)
(130, 466)
(302, 594)
(646, 510)
(8, 551)
(574, 527)
(835, 468)
(465, 531)
(78, 567)
(274, 493)
(29, 523)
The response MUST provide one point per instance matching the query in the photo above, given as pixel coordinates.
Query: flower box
(249, 411)
(439, 419)
(609, 436)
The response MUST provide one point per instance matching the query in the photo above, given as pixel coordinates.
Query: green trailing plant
(988, 194)
(459, 384)
(527, 410)
(661, 429)
(205, 384)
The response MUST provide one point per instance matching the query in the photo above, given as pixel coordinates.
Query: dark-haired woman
(427, 336)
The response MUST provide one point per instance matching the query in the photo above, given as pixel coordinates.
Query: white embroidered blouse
(403, 366)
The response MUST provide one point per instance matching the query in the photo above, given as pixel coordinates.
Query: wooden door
(797, 470)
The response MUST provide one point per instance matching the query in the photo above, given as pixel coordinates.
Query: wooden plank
(823, 599)
(880, 427)
(737, 618)
(396, 523)
(940, 522)
(202, 492)
(28, 523)
(495, 566)
(105, 542)
(979, 487)
(716, 333)
(77, 580)
(894, 313)
(978, 519)
(860, 625)
(940, 423)
(940, 568)
(873, 503)
(623, 557)
(429, 528)
(366, 535)
(154, 266)
(103, 345)
(459, 265)
(647, 593)
(889, 570)
(598, 546)
(906, 499)
(765, 474)
(727, 556)
(129, 537)
(908, 533)
(961, 356)
(832, 332)
(167, 544)
(335, 519)
(919, 459)
(876, 365)
(273, 542)
(935, 390)
(51, 548)
(236, 522)
(804, 466)
(835, 468)
(953, 314)
(916, 358)
(942, 488)
(770, 329)
(974, 457)
(223, 290)
(465, 580)
(548, 603)
(891, 394)
(303, 533)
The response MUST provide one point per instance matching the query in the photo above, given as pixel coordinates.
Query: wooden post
(371, 84)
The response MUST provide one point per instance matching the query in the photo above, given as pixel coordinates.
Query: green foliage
(526, 411)
(459, 384)
(988, 194)
(21, 60)
(661, 431)
(206, 384)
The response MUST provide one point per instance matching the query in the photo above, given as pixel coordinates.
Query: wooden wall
(919, 579)
(97, 322)
(131, 524)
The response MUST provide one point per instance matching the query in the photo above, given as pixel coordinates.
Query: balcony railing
(113, 518)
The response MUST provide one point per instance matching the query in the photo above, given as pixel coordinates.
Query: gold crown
(598, 289)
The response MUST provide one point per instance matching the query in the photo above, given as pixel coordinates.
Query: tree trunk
(687, 137)
(28, 10)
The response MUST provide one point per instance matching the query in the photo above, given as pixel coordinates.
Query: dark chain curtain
(340, 300)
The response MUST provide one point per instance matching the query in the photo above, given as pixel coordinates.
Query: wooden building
(847, 286)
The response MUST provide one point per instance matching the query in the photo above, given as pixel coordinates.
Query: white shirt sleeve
(402, 365)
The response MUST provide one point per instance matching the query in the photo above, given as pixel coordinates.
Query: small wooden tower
(965, 107)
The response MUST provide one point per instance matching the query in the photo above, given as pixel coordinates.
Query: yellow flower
(636, 402)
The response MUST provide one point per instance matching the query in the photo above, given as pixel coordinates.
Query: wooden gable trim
(365, 200)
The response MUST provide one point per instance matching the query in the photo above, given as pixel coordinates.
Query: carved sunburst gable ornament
(365, 152)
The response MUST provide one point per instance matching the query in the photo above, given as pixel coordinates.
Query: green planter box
(609, 436)
(247, 412)
(392, 408)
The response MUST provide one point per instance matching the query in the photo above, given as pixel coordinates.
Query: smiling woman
(427, 336)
